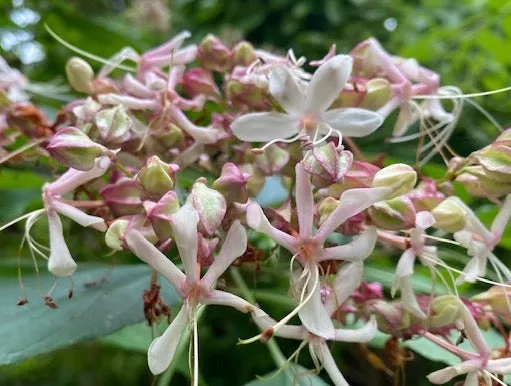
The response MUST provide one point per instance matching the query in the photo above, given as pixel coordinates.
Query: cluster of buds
(238, 118)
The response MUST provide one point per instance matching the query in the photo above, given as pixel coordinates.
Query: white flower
(306, 107)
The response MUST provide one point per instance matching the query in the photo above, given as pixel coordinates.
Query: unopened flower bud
(84, 112)
(171, 137)
(327, 165)
(496, 161)
(378, 93)
(214, 55)
(232, 183)
(445, 311)
(244, 94)
(391, 317)
(497, 298)
(272, 160)
(198, 81)
(124, 197)
(209, 204)
(79, 74)
(159, 214)
(426, 196)
(449, 216)
(114, 236)
(243, 54)
(395, 214)
(360, 175)
(479, 183)
(401, 178)
(114, 124)
(326, 207)
(73, 148)
(206, 249)
(157, 177)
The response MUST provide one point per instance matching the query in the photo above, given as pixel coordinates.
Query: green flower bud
(272, 160)
(445, 311)
(157, 177)
(401, 178)
(395, 214)
(79, 74)
(326, 207)
(243, 54)
(114, 124)
(209, 204)
(115, 234)
(378, 93)
(449, 216)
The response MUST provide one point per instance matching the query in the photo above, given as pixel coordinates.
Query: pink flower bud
(368, 291)
(395, 214)
(206, 249)
(114, 125)
(232, 183)
(159, 214)
(209, 204)
(214, 55)
(198, 81)
(327, 165)
(426, 196)
(157, 177)
(360, 175)
(124, 197)
(73, 148)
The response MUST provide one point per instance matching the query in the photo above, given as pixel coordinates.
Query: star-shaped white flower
(306, 107)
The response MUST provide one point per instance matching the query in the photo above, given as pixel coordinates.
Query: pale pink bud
(159, 214)
(426, 196)
(198, 81)
(206, 249)
(114, 124)
(209, 204)
(214, 55)
(394, 214)
(232, 183)
(124, 197)
(73, 148)
(327, 165)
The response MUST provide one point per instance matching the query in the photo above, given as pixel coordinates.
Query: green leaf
(113, 301)
(292, 375)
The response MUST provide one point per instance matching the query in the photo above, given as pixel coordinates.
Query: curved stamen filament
(278, 140)
(462, 96)
(297, 309)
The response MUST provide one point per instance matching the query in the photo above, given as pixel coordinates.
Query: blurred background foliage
(468, 42)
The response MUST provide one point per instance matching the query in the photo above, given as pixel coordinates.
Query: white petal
(78, 216)
(284, 88)
(184, 229)
(222, 298)
(404, 120)
(204, 135)
(352, 201)
(60, 262)
(265, 126)
(149, 254)
(409, 300)
(325, 356)
(361, 335)
(327, 83)
(234, 246)
(424, 220)
(258, 221)
(356, 250)
(499, 366)
(347, 279)
(162, 349)
(304, 201)
(353, 122)
(314, 315)
(502, 218)
(404, 268)
(475, 268)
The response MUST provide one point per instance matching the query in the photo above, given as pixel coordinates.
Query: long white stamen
(35, 212)
(87, 54)
(495, 378)
(462, 96)
(481, 279)
(485, 112)
(290, 140)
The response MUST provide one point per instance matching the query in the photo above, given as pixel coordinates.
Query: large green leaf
(112, 302)
(292, 375)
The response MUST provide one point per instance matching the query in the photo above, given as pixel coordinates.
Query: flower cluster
(240, 117)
